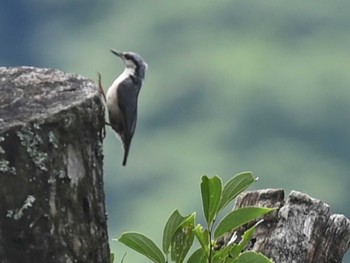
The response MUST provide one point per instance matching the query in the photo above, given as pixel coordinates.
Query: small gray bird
(122, 98)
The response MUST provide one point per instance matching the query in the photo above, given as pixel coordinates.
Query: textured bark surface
(51, 176)
(301, 230)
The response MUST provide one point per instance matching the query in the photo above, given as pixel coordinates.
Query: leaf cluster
(180, 231)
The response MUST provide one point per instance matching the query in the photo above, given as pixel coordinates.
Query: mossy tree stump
(51, 176)
(301, 230)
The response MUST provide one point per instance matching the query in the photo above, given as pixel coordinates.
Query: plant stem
(210, 229)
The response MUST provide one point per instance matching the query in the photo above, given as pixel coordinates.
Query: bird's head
(132, 61)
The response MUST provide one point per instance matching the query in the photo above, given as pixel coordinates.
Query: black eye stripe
(127, 56)
(131, 58)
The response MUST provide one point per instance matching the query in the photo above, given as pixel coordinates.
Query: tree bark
(301, 230)
(51, 175)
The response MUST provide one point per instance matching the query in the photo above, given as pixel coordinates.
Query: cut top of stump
(28, 93)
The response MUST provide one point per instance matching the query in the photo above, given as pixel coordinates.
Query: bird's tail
(126, 152)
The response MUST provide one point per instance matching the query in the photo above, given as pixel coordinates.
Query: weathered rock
(51, 175)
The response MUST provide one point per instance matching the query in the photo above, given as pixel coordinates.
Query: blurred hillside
(231, 86)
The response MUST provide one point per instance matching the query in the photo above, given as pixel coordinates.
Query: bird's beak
(117, 53)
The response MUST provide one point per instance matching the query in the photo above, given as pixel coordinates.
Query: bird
(122, 97)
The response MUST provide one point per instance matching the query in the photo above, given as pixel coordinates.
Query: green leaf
(203, 237)
(199, 256)
(234, 187)
(143, 245)
(238, 218)
(221, 255)
(246, 237)
(111, 258)
(252, 257)
(170, 228)
(183, 240)
(122, 261)
(211, 190)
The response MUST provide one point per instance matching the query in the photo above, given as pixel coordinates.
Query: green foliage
(203, 237)
(199, 256)
(143, 245)
(251, 257)
(238, 218)
(180, 231)
(211, 190)
(172, 228)
(182, 240)
(233, 187)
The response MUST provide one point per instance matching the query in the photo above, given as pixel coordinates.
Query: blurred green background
(231, 86)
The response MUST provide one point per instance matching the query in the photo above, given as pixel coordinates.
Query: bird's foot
(103, 130)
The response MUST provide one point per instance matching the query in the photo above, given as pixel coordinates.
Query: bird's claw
(103, 132)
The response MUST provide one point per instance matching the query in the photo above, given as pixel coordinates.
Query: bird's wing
(127, 98)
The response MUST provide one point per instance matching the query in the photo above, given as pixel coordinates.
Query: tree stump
(301, 230)
(51, 175)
